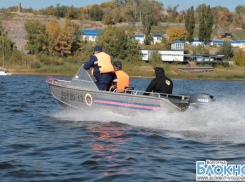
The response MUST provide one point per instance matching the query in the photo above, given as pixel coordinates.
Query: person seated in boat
(101, 68)
(160, 84)
(121, 79)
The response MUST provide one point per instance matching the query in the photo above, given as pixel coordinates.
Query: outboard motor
(198, 100)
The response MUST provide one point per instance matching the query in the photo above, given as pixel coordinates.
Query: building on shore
(166, 55)
(176, 54)
(235, 43)
(91, 35)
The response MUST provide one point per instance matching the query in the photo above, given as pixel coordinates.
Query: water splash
(221, 120)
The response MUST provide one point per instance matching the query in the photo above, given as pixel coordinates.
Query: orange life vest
(122, 80)
(104, 63)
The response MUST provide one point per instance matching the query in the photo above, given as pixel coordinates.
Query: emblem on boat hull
(88, 99)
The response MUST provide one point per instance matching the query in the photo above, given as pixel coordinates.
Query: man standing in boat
(101, 68)
(121, 79)
(160, 84)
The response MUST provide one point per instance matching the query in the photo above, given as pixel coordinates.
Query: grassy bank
(141, 69)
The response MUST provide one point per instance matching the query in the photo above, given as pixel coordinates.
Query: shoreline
(140, 77)
(39, 74)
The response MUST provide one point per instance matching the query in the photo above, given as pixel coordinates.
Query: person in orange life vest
(101, 67)
(121, 79)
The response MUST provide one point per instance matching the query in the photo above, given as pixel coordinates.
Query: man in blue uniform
(101, 67)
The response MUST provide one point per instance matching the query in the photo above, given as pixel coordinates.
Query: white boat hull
(4, 73)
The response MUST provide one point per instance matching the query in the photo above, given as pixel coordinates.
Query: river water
(39, 141)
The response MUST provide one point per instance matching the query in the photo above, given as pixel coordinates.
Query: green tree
(1, 28)
(35, 36)
(68, 41)
(157, 8)
(202, 28)
(209, 25)
(17, 58)
(190, 23)
(239, 58)
(6, 46)
(239, 15)
(226, 50)
(240, 9)
(61, 10)
(117, 15)
(147, 21)
(107, 19)
(155, 59)
(52, 31)
(172, 13)
(51, 10)
(132, 51)
(166, 44)
(76, 46)
(120, 2)
(72, 13)
(117, 43)
(96, 13)
(205, 23)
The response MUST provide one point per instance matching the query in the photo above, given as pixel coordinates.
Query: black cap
(98, 48)
(118, 64)
(159, 71)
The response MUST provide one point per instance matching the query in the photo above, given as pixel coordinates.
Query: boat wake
(221, 120)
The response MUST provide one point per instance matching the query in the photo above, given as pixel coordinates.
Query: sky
(183, 4)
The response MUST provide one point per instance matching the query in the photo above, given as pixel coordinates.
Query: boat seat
(129, 90)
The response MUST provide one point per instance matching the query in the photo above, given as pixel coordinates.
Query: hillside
(14, 24)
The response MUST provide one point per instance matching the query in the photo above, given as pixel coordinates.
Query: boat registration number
(72, 96)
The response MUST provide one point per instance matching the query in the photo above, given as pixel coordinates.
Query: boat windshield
(84, 80)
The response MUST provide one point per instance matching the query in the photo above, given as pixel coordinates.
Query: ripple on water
(6, 165)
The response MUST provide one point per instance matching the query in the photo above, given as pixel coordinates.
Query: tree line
(150, 13)
(53, 39)
(117, 11)
(52, 44)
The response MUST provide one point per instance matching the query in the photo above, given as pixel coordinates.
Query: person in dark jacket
(101, 67)
(160, 84)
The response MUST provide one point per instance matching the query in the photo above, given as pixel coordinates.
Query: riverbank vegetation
(49, 58)
(58, 48)
(138, 70)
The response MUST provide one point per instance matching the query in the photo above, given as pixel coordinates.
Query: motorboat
(82, 93)
(3, 72)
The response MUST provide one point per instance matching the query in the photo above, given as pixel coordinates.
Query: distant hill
(15, 26)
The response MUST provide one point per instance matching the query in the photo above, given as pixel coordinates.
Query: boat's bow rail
(152, 94)
(55, 81)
